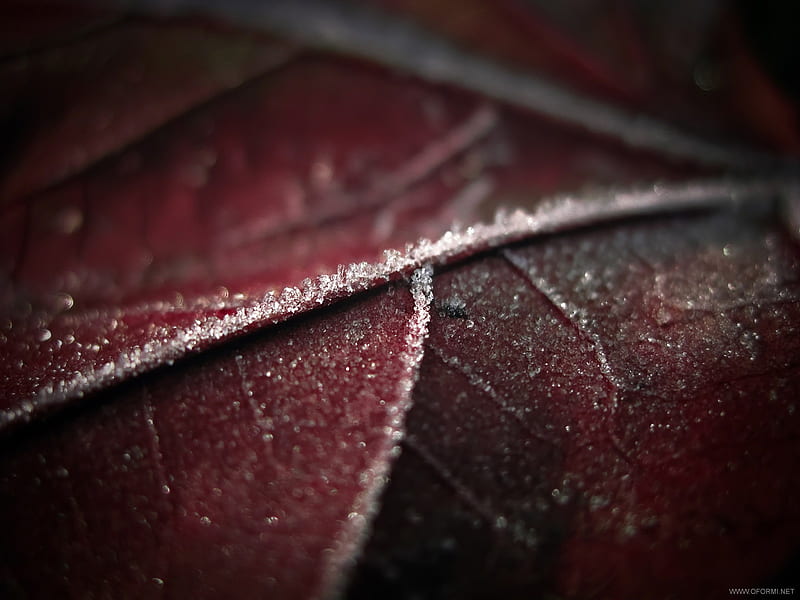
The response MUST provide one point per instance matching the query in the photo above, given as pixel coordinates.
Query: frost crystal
(422, 292)
(557, 214)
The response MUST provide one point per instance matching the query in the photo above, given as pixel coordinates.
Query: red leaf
(598, 410)
(189, 479)
(613, 413)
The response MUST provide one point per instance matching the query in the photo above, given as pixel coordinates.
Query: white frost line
(422, 292)
(557, 214)
(392, 41)
(354, 535)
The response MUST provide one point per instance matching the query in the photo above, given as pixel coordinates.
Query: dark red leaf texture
(618, 428)
(250, 472)
(395, 299)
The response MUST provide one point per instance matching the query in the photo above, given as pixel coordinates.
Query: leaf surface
(588, 426)
(216, 259)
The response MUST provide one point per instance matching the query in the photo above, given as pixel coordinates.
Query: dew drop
(598, 502)
(629, 530)
(62, 302)
(68, 220)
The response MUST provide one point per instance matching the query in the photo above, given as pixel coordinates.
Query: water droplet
(597, 502)
(707, 75)
(68, 220)
(43, 335)
(322, 172)
(62, 302)
(629, 530)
